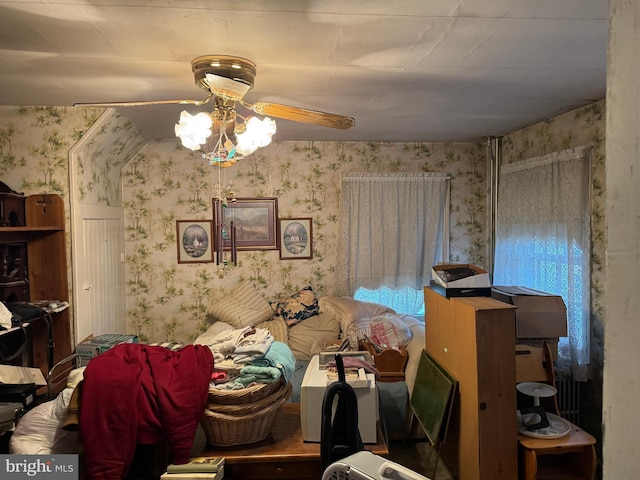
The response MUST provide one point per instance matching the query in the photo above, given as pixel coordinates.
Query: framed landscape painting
(254, 221)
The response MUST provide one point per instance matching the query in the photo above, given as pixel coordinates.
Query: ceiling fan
(227, 79)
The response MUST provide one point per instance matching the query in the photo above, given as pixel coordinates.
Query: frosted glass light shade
(193, 130)
(257, 134)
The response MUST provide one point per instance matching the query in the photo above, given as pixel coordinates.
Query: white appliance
(314, 385)
(365, 465)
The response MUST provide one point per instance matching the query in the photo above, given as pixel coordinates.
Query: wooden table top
(285, 443)
(575, 439)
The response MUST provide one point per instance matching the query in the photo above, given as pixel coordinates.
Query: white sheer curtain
(393, 230)
(543, 240)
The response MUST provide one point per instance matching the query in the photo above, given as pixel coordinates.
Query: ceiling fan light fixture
(193, 130)
(257, 134)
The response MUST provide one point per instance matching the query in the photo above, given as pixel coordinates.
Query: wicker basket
(246, 408)
(244, 395)
(240, 428)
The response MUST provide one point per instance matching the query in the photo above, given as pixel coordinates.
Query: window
(406, 300)
(543, 240)
(394, 227)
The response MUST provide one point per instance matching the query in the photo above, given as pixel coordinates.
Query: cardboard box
(314, 385)
(93, 346)
(478, 285)
(538, 314)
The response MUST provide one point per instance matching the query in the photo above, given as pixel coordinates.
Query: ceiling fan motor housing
(236, 69)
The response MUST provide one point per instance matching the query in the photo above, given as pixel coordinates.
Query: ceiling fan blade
(304, 115)
(148, 102)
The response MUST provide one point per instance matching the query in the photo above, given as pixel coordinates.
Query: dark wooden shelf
(31, 229)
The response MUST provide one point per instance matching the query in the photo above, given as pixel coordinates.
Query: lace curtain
(392, 227)
(543, 240)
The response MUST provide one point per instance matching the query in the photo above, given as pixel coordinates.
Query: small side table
(570, 457)
(282, 455)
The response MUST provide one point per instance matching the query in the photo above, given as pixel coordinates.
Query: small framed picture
(193, 238)
(295, 236)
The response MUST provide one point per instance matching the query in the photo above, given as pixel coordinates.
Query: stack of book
(198, 468)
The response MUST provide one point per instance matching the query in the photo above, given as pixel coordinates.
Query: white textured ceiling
(406, 70)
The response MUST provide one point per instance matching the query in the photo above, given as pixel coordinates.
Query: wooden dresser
(473, 339)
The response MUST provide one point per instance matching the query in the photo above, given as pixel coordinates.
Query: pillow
(242, 307)
(39, 432)
(206, 337)
(303, 335)
(277, 328)
(297, 307)
(391, 331)
(352, 315)
(360, 327)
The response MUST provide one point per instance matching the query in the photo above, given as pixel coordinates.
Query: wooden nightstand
(283, 455)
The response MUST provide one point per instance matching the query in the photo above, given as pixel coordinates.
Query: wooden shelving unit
(46, 264)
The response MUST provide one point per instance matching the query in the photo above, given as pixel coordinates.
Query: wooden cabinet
(38, 249)
(474, 340)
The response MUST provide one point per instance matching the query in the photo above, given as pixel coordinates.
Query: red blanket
(140, 394)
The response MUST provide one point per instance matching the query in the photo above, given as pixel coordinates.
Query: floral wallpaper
(100, 158)
(34, 146)
(166, 182)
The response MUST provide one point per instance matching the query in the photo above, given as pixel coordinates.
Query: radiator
(569, 399)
